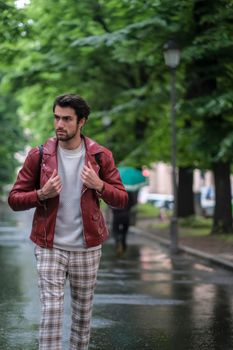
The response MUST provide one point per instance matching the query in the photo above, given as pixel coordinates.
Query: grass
(195, 226)
(184, 230)
(194, 232)
(228, 238)
(147, 210)
(195, 222)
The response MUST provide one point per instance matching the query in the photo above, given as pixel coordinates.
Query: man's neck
(71, 144)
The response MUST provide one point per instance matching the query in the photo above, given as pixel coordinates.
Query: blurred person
(68, 228)
(121, 220)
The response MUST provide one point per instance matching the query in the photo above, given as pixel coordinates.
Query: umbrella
(132, 178)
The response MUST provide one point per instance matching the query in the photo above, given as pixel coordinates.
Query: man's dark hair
(74, 101)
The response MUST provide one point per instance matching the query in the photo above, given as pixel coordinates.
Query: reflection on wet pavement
(145, 300)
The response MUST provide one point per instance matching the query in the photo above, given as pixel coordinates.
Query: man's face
(66, 123)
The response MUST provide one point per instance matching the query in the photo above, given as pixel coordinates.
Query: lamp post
(172, 59)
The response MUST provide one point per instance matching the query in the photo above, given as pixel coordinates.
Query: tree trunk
(222, 222)
(185, 192)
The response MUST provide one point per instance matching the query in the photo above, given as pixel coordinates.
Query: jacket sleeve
(23, 195)
(114, 193)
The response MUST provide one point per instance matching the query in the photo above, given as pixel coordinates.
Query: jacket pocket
(39, 222)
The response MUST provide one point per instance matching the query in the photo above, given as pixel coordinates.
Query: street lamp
(172, 60)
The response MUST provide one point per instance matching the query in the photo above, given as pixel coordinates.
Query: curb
(200, 254)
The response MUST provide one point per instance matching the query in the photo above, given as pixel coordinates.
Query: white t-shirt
(69, 226)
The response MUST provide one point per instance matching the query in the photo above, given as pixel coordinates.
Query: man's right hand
(52, 188)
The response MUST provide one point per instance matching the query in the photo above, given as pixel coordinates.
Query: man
(68, 227)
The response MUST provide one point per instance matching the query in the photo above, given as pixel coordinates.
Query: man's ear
(81, 122)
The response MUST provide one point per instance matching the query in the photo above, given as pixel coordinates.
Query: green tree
(208, 76)
(97, 51)
(11, 131)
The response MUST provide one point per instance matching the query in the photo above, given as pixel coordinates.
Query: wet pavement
(145, 300)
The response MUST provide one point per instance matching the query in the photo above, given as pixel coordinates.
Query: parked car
(157, 199)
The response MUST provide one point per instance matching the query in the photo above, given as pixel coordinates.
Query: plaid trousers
(54, 266)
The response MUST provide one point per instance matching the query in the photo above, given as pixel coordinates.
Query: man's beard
(65, 136)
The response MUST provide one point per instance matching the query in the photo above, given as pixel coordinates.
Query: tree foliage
(11, 138)
(111, 52)
(108, 56)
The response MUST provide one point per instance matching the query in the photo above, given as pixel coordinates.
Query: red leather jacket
(23, 194)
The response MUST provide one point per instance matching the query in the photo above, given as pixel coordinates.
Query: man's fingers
(86, 168)
(89, 164)
(56, 179)
(59, 188)
(53, 174)
(53, 186)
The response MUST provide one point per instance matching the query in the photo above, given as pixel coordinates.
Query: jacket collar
(92, 147)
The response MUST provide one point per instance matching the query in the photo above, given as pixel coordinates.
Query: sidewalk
(210, 247)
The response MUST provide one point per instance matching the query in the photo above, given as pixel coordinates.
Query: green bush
(195, 222)
(147, 210)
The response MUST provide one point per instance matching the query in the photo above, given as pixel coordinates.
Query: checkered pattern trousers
(54, 266)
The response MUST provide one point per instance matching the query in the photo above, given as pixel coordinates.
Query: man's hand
(52, 188)
(91, 179)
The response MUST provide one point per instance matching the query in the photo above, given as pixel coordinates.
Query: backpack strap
(41, 150)
(97, 159)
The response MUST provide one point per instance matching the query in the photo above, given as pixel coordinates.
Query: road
(145, 300)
